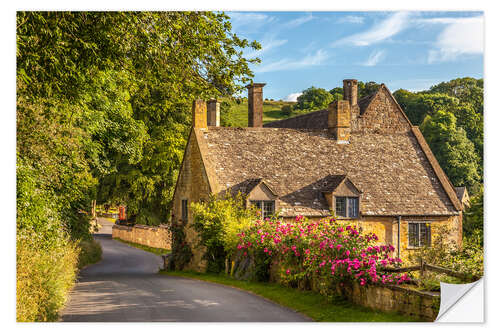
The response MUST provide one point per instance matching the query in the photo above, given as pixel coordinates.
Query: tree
(286, 110)
(453, 150)
(337, 93)
(313, 99)
(368, 88)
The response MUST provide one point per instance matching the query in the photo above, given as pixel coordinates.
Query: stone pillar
(339, 120)
(351, 91)
(199, 114)
(213, 113)
(255, 104)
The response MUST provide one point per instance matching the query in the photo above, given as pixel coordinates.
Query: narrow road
(125, 286)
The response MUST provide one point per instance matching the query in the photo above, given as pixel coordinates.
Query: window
(419, 234)
(266, 207)
(346, 207)
(184, 210)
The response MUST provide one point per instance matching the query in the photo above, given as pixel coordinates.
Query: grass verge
(154, 250)
(318, 307)
(90, 253)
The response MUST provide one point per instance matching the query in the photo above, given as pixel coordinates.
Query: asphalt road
(124, 286)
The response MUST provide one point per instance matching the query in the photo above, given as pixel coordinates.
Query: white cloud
(374, 58)
(351, 19)
(292, 97)
(379, 31)
(298, 21)
(288, 64)
(267, 45)
(249, 22)
(462, 36)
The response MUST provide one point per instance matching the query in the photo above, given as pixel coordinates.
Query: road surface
(125, 286)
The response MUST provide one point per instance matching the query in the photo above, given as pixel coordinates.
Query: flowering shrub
(323, 249)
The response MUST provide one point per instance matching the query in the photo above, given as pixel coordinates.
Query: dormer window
(342, 196)
(266, 207)
(346, 207)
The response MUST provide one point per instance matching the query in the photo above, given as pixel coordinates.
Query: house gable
(382, 114)
(261, 192)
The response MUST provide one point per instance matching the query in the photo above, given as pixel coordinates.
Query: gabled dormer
(263, 196)
(342, 195)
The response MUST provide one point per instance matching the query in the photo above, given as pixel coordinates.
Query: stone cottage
(360, 160)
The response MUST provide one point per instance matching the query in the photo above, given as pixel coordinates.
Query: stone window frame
(184, 210)
(428, 234)
(347, 207)
(261, 204)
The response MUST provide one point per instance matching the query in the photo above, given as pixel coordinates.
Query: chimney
(255, 108)
(351, 91)
(199, 114)
(339, 120)
(213, 113)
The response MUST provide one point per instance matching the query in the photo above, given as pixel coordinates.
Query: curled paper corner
(461, 303)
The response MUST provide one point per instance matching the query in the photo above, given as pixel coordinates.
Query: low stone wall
(158, 237)
(393, 298)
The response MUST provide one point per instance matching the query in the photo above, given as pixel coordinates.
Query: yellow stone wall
(192, 185)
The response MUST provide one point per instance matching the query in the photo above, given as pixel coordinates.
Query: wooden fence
(423, 267)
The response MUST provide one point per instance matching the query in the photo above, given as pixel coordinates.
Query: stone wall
(391, 298)
(193, 186)
(158, 237)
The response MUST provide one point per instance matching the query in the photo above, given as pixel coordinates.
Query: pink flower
(287, 271)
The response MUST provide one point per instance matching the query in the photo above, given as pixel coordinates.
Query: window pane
(268, 208)
(340, 206)
(413, 234)
(257, 204)
(184, 209)
(353, 207)
(425, 234)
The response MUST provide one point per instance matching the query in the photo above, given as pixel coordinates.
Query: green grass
(154, 250)
(238, 114)
(309, 303)
(90, 253)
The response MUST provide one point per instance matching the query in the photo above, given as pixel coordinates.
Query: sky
(409, 50)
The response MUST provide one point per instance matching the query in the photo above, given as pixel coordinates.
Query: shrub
(90, 252)
(181, 251)
(218, 223)
(286, 109)
(326, 250)
(45, 274)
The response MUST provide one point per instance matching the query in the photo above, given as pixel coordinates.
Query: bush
(218, 223)
(286, 110)
(90, 252)
(325, 250)
(45, 275)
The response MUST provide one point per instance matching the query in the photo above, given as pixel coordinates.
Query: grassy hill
(236, 114)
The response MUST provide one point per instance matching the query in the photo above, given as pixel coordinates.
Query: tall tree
(454, 151)
(313, 99)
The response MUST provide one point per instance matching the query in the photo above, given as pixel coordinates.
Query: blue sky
(410, 50)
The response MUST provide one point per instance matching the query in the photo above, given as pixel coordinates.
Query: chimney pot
(255, 104)
(199, 114)
(351, 91)
(213, 113)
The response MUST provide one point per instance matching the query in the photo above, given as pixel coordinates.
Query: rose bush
(325, 249)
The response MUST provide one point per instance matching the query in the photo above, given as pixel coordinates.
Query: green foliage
(90, 252)
(473, 223)
(286, 110)
(314, 99)
(452, 148)
(46, 272)
(181, 251)
(218, 223)
(467, 259)
(367, 88)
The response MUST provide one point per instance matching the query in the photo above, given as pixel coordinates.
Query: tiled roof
(392, 171)
(460, 190)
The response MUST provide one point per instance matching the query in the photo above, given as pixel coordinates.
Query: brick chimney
(339, 120)
(199, 114)
(351, 91)
(255, 107)
(213, 113)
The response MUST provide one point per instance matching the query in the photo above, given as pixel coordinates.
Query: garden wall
(158, 237)
(393, 298)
